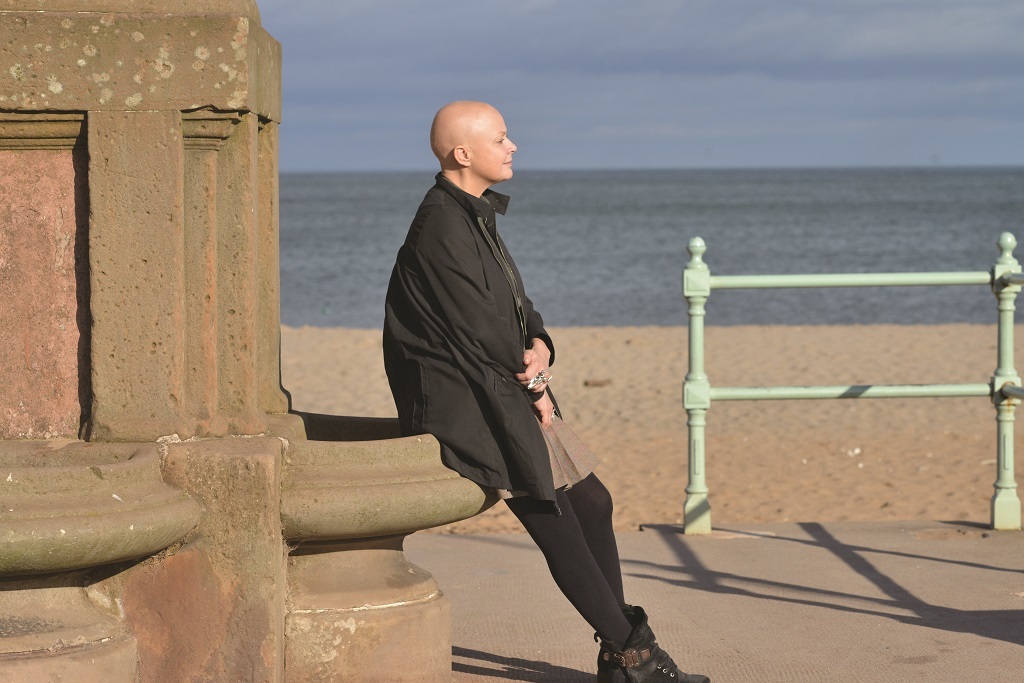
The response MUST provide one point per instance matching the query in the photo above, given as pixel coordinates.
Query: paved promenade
(833, 602)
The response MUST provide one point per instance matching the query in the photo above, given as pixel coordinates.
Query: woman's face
(491, 149)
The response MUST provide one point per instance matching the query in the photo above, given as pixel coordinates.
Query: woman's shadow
(515, 669)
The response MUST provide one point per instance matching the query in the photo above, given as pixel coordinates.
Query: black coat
(456, 323)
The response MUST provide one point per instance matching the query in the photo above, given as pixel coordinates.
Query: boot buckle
(631, 658)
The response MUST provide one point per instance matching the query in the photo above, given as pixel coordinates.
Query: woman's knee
(591, 498)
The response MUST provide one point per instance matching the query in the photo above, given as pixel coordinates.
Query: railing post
(1005, 506)
(696, 390)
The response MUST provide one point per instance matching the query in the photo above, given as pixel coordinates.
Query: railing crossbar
(849, 391)
(1012, 279)
(1012, 390)
(848, 280)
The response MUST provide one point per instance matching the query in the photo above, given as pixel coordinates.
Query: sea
(609, 247)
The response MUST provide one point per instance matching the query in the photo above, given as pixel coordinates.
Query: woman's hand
(535, 361)
(545, 409)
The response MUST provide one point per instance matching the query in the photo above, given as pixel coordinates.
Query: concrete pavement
(818, 602)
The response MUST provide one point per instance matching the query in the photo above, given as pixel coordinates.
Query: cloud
(568, 73)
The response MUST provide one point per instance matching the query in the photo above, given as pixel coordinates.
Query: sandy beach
(767, 461)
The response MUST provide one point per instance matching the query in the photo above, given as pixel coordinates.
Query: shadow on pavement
(514, 668)
(1001, 625)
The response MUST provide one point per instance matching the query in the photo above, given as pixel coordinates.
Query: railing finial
(1007, 243)
(696, 247)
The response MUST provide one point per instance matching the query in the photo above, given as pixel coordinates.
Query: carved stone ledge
(206, 129)
(81, 505)
(41, 131)
(51, 630)
(359, 489)
(163, 7)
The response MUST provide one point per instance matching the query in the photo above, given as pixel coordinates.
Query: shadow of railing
(1003, 625)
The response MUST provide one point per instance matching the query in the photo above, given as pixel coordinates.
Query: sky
(598, 84)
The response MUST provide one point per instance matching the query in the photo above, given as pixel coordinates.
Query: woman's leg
(575, 570)
(593, 507)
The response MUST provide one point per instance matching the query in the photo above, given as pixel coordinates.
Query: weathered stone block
(44, 320)
(237, 268)
(136, 246)
(137, 59)
(213, 610)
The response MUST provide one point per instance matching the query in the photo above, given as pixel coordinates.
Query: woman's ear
(461, 154)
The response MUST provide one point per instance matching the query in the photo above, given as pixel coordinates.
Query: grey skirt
(571, 460)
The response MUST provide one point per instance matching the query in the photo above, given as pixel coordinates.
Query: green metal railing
(1004, 388)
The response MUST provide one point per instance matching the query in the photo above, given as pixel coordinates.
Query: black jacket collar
(478, 206)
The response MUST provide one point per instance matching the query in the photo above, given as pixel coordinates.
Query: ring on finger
(542, 377)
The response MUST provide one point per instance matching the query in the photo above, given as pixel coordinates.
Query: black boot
(639, 659)
(608, 670)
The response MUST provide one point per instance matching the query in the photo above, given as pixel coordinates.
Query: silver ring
(542, 377)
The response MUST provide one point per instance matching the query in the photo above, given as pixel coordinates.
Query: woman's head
(470, 140)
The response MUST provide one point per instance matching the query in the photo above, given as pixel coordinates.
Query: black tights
(580, 550)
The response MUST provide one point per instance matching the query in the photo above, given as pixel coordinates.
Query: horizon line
(609, 169)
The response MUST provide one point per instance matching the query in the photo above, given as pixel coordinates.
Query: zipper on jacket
(509, 275)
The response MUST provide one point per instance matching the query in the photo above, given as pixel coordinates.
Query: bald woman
(468, 361)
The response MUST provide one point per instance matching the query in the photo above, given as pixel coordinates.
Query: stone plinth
(357, 608)
(70, 507)
(164, 517)
(359, 611)
(138, 177)
(138, 240)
